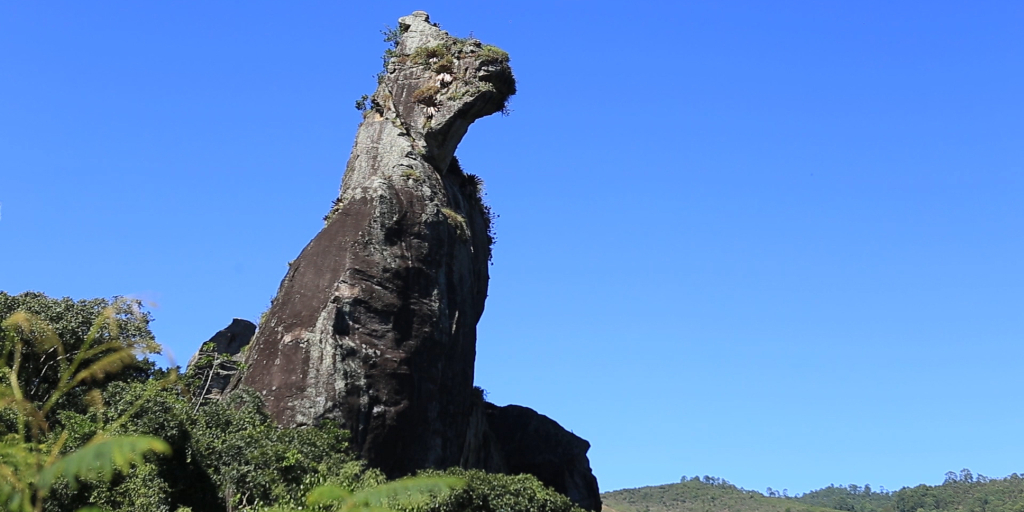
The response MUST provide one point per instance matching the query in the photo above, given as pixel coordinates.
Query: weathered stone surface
(533, 443)
(216, 361)
(374, 325)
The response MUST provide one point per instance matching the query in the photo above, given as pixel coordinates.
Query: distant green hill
(708, 495)
(851, 498)
(961, 492)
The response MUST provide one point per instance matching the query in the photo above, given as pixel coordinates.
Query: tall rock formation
(374, 324)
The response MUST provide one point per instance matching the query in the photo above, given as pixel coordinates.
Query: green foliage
(445, 64)
(393, 37)
(457, 221)
(362, 104)
(964, 492)
(426, 95)
(227, 454)
(253, 461)
(335, 208)
(851, 498)
(385, 497)
(472, 189)
(960, 492)
(55, 334)
(137, 441)
(490, 53)
(34, 459)
(428, 55)
(100, 459)
(487, 492)
(476, 184)
(699, 494)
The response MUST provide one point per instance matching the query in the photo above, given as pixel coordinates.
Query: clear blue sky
(776, 242)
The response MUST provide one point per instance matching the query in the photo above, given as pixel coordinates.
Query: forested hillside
(960, 492)
(707, 494)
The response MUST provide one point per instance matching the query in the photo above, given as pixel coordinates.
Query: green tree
(31, 460)
(386, 497)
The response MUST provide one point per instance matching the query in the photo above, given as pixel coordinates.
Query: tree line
(88, 422)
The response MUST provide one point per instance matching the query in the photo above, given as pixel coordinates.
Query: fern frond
(18, 462)
(326, 494)
(31, 326)
(409, 490)
(107, 316)
(101, 458)
(151, 389)
(108, 364)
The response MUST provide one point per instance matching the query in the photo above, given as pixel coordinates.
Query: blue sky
(775, 242)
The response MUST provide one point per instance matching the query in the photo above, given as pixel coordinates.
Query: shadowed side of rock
(516, 440)
(535, 444)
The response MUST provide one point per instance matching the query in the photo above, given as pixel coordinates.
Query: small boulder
(536, 444)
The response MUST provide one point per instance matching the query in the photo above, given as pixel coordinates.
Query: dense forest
(960, 492)
(89, 421)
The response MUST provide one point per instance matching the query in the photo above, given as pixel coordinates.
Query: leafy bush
(39, 373)
(71, 323)
(426, 95)
(488, 492)
(490, 53)
(426, 55)
(87, 443)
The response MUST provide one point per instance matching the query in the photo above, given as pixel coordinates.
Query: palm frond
(108, 364)
(408, 490)
(326, 494)
(101, 458)
(43, 336)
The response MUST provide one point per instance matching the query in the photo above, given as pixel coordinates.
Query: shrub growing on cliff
(426, 55)
(457, 221)
(490, 53)
(426, 95)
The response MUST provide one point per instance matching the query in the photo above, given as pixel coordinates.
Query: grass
(426, 95)
(458, 222)
(445, 64)
(427, 54)
(491, 53)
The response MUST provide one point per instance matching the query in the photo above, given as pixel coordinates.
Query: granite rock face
(533, 443)
(216, 361)
(374, 325)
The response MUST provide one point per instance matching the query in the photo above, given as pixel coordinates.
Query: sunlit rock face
(374, 325)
